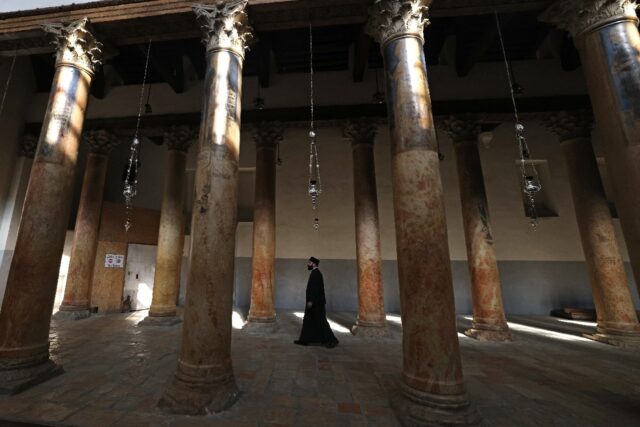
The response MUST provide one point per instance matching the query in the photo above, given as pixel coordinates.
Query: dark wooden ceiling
(337, 47)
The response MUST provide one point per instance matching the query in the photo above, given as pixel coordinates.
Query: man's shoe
(300, 342)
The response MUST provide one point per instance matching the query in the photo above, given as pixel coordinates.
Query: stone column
(204, 380)
(433, 390)
(262, 314)
(166, 282)
(77, 292)
(617, 320)
(489, 322)
(31, 286)
(371, 320)
(606, 35)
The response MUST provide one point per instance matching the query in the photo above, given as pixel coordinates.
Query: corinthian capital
(395, 18)
(100, 141)
(580, 16)
(570, 125)
(268, 134)
(75, 44)
(225, 25)
(180, 137)
(360, 131)
(28, 146)
(461, 129)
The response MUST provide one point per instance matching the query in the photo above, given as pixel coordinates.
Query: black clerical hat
(315, 260)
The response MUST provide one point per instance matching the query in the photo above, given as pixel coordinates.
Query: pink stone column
(606, 35)
(33, 276)
(489, 322)
(371, 320)
(204, 382)
(77, 291)
(616, 315)
(166, 281)
(262, 314)
(433, 391)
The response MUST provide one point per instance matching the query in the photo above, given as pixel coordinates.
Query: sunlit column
(204, 380)
(489, 322)
(77, 291)
(371, 319)
(433, 390)
(616, 315)
(31, 286)
(262, 314)
(606, 35)
(166, 281)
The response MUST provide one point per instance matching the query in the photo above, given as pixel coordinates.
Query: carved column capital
(180, 137)
(100, 141)
(75, 44)
(580, 16)
(225, 25)
(461, 129)
(268, 134)
(28, 145)
(389, 19)
(361, 131)
(570, 125)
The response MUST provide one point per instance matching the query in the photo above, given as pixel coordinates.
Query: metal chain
(144, 80)
(6, 86)
(315, 184)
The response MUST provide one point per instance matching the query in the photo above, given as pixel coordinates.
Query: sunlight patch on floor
(546, 333)
(578, 322)
(394, 318)
(237, 322)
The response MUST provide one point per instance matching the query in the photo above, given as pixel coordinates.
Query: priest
(315, 328)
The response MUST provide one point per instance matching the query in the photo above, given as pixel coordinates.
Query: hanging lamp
(315, 183)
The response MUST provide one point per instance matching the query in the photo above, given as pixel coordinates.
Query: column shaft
(489, 322)
(371, 315)
(264, 236)
(31, 286)
(204, 380)
(77, 291)
(166, 282)
(616, 314)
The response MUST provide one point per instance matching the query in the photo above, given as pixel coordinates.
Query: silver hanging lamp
(315, 183)
(131, 169)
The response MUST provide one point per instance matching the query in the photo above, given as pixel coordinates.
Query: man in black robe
(315, 328)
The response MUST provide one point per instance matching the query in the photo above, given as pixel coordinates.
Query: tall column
(204, 380)
(166, 281)
(489, 322)
(31, 286)
(77, 292)
(606, 35)
(616, 315)
(262, 314)
(371, 320)
(433, 386)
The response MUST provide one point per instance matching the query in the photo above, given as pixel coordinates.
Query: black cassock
(315, 328)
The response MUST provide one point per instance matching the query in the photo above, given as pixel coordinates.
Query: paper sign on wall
(114, 261)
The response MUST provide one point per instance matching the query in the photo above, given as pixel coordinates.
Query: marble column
(166, 281)
(433, 390)
(489, 322)
(77, 291)
(204, 382)
(262, 313)
(606, 35)
(33, 276)
(371, 319)
(616, 315)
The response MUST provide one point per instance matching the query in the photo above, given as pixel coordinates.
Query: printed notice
(114, 261)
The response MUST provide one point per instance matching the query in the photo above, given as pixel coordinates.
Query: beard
(309, 267)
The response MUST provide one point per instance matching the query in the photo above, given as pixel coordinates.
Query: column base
(485, 331)
(261, 325)
(623, 340)
(416, 408)
(188, 395)
(370, 331)
(13, 380)
(72, 314)
(164, 321)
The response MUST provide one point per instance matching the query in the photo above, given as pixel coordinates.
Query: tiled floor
(115, 373)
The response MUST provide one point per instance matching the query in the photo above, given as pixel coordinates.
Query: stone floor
(115, 373)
